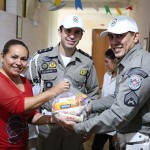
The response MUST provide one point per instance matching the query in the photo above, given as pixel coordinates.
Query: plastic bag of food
(70, 104)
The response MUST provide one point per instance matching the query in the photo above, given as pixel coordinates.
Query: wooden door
(99, 46)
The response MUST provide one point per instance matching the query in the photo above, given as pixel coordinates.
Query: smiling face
(15, 60)
(122, 43)
(70, 37)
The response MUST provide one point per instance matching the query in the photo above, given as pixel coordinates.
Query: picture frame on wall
(19, 27)
(24, 8)
(3, 5)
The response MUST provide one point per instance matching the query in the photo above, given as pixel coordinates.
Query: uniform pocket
(49, 80)
(79, 82)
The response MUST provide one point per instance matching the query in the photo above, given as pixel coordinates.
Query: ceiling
(95, 3)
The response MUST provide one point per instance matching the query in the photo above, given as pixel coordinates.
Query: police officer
(52, 65)
(129, 112)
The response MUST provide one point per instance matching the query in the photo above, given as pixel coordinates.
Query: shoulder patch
(131, 99)
(84, 53)
(44, 50)
(135, 82)
(137, 71)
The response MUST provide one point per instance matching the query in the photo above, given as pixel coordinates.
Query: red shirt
(13, 120)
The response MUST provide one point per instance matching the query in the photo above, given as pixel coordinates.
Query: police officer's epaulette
(137, 71)
(84, 53)
(44, 50)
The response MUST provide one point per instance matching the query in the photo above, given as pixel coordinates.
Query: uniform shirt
(131, 98)
(13, 120)
(51, 70)
(108, 88)
(109, 84)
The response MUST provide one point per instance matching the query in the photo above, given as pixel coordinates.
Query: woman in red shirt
(17, 103)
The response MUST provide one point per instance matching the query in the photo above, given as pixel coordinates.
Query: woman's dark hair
(11, 43)
(110, 54)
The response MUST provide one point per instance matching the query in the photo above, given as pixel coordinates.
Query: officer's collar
(74, 56)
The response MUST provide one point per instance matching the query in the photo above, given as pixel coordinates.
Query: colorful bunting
(57, 2)
(130, 7)
(78, 3)
(95, 6)
(119, 11)
(107, 10)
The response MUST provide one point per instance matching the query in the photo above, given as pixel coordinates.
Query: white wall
(140, 12)
(34, 36)
(7, 27)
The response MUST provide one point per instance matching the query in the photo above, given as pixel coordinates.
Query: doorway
(99, 46)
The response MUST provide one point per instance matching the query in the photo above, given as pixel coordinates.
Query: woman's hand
(62, 86)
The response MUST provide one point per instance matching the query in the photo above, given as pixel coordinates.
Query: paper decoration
(107, 10)
(78, 4)
(95, 6)
(130, 7)
(57, 2)
(119, 11)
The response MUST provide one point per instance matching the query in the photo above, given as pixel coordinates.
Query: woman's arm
(32, 103)
(40, 119)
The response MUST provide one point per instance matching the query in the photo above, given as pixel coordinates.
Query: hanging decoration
(57, 2)
(95, 6)
(129, 8)
(107, 10)
(119, 11)
(78, 4)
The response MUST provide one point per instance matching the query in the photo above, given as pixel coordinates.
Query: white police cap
(72, 21)
(121, 24)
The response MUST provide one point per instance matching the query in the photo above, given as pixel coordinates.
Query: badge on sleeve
(131, 99)
(134, 82)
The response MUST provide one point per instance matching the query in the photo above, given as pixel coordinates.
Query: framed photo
(3, 5)
(19, 27)
(24, 8)
(145, 43)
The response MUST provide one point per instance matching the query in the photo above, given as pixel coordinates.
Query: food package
(69, 117)
(70, 104)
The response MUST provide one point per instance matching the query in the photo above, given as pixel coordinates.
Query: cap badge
(75, 19)
(114, 21)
